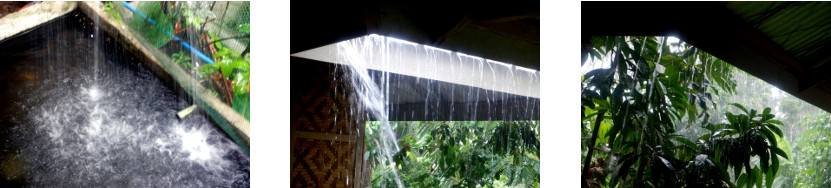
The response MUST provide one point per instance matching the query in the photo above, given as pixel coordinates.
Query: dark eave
(714, 28)
(503, 31)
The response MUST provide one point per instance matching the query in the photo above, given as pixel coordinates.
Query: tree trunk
(587, 161)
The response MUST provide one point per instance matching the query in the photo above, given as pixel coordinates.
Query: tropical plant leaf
(737, 105)
(741, 180)
(778, 151)
(774, 129)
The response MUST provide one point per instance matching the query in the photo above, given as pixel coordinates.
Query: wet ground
(76, 110)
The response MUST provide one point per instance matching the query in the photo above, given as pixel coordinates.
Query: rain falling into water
(79, 111)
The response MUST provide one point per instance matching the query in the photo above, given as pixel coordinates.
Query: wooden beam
(526, 32)
(738, 43)
(810, 84)
(815, 77)
(464, 22)
(535, 15)
(325, 136)
(362, 171)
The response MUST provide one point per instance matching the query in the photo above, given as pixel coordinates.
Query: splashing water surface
(78, 111)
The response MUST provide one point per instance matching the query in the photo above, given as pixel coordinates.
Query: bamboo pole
(184, 113)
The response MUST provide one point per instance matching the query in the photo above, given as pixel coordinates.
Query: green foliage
(109, 7)
(747, 135)
(230, 62)
(644, 103)
(245, 28)
(241, 80)
(233, 67)
(459, 154)
(811, 153)
(158, 34)
(173, 18)
(182, 58)
(192, 19)
(792, 112)
(242, 104)
(651, 89)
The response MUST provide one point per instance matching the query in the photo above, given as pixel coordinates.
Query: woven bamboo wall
(326, 146)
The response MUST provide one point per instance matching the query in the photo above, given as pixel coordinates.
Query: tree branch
(234, 37)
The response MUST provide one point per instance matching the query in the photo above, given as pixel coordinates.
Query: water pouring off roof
(393, 55)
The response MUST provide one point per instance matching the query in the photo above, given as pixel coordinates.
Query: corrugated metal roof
(800, 28)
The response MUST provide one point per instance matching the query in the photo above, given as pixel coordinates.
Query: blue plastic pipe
(185, 44)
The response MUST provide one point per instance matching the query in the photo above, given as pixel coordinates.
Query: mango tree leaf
(774, 164)
(741, 180)
(769, 178)
(666, 163)
(775, 122)
(686, 142)
(757, 176)
(740, 107)
(774, 129)
(769, 136)
(778, 151)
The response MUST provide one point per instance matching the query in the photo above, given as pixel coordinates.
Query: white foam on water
(93, 122)
(195, 143)
(93, 93)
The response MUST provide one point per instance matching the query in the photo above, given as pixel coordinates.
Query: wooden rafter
(535, 15)
(325, 136)
(464, 22)
(526, 32)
